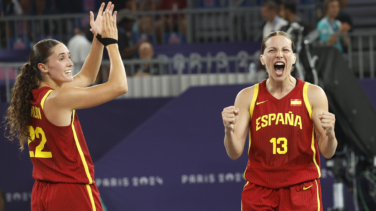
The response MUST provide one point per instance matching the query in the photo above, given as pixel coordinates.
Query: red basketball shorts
(305, 196)
(64, 196)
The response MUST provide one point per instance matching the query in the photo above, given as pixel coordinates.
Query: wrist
(228, 131)
(330, 134)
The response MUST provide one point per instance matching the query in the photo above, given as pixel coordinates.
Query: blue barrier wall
(174, 160)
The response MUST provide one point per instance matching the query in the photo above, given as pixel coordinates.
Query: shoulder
(246, 95)
(322, 23)
(316, 95)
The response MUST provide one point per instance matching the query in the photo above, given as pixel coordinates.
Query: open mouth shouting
(279, 68)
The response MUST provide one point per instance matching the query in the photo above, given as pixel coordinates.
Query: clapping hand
(97, 24)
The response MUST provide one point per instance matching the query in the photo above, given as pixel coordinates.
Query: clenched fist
(229, 115)
(327, 122)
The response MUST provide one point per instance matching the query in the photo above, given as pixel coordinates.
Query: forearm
(328, 145)
(332, 39)
(93, 61)
(117, 76)
(345, 40)
(233, 145)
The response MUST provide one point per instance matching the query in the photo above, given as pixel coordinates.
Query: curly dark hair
(18, 114)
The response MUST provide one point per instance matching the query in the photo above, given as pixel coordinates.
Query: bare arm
(236, 120)
(91, 66)
(323, 121)
(69, 98)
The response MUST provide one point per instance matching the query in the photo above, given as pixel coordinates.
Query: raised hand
(96, 25)
(109, 29)
(327, 122)
(229, 115)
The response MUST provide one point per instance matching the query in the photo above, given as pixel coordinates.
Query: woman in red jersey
(42, 112)
(288, 123)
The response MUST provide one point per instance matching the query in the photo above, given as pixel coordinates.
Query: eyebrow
(276, 48)
(63, 53)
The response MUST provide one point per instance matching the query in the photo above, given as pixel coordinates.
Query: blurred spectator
(288, 12)
(145, 24)
(127, 50)
(331, 31)
(43, 28)
(343, 16)
(68, 6)
(273, 21)
(2, 201)
(11, 7)
(79, 47)
(119, 4)
(178, 23)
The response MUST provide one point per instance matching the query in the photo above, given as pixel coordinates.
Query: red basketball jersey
(58, 154)
(283, 148)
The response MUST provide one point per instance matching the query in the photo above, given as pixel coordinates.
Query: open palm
(96, 25)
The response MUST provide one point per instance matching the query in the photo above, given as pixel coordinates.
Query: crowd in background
(137, 35)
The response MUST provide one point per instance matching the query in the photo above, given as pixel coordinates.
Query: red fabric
(257, 198)
(65, 165)
(295, 166)
(63, 196)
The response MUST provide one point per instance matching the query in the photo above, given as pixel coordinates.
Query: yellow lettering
(35, 112)
(264, 120)
(298, 121)
(289, 119)
(279, 119)
(258, 124)
(271, 118)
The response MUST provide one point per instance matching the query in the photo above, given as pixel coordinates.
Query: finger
(108, 6)
(91, 17)
(104, 23)
(114, 19)
(108, 14)
(229, 116)
(112, 8)
(100, 11)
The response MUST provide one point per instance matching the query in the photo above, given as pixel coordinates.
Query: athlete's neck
(279, 89)
(49, 83)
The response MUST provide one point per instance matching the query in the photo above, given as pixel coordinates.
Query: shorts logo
(260, 102)
(306, 188)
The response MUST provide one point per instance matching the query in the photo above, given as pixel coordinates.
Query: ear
(262, 59)
(294, 59)
(43, 68)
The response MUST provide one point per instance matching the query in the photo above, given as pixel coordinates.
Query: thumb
(91, 17)
(93, 31)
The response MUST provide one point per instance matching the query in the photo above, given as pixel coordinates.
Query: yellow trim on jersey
(251, 108)
(44, 98)
(306, 101)
(309, 109)
(91, 197)
(314, 151)
(254, 98)
(318, 196)
(80, 151)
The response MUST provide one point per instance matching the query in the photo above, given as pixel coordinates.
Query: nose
(70, 64)
(279, 54)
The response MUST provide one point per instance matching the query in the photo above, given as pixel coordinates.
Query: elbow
(123, 89)
(234, 156)
(328, 156)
